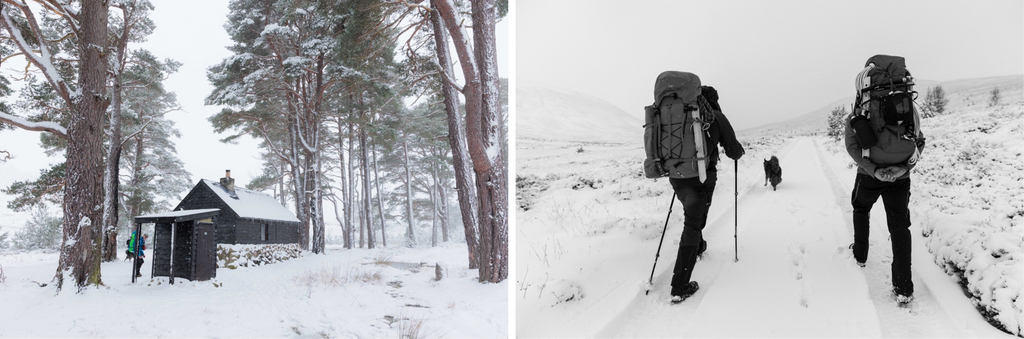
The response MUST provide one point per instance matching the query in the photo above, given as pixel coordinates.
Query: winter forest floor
(588, 227)
(378, 293)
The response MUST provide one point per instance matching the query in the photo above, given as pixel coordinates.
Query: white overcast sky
(191, 32)
(770, 60)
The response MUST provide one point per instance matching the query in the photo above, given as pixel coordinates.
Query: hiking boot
(681, 293)
(902, 299)
(859, 263)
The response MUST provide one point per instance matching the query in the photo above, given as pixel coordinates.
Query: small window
(263, 232)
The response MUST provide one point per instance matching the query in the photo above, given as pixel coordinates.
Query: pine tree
(837, 123)
(994, 97)
(935, 102)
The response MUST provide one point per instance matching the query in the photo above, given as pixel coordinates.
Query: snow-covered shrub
(3, 240)
(934, 103)
(3, 277)
(837, 123)
(42, 231)
(582, 183)
(560, 291)
(234, 256)
(967, 198)
(528, 187)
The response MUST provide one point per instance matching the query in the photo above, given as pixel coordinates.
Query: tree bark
(82, 240)
(346, 225)
(298, 180)
(457, 138)
(410, 232)
(352, 185)
(443, 208)
(483, 131)
(380, 201)
(365, 166)
(433, 209)
(280, 186)
(111, 180)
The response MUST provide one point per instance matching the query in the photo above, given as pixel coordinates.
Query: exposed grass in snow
(970, 204)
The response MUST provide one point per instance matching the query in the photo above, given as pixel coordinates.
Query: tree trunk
(346, 225)
(443, 208)
(111, 179)
(365, 165)
(298, 181)
(483, 130)
(410, 233)
(311, 143)
(82, 240)
(433, 209)
(352, 185)
(457, 140)
(380, 201)
(280, 186)
(111, 182)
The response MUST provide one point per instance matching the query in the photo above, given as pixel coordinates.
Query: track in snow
(795, 275)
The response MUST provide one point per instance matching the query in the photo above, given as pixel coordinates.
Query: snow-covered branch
(130, 136)
(43, 60)
(42, 126)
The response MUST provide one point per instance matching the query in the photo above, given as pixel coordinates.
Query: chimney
(228, 182)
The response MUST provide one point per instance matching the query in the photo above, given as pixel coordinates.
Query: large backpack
(884, 108)
(675, 127)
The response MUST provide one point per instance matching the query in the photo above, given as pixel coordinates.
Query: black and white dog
(772, 172)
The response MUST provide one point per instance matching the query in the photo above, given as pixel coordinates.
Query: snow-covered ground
(342, 294)
(588, 226)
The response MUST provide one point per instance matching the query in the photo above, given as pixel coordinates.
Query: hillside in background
(973, 91)
(560, 115)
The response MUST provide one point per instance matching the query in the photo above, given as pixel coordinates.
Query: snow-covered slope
(550, 114)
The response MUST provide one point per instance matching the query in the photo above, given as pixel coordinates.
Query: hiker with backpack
(141, 251)
(683, 129)
(883, 137)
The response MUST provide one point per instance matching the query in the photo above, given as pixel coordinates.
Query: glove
(735, 152)
(883, 174)
(896, 171)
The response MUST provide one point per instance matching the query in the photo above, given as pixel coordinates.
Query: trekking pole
(656, 255)
(736, 216)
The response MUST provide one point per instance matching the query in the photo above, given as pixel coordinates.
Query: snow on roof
(181, 213)
(252, 204)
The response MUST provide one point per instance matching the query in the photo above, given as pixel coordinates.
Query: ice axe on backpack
(650, 281)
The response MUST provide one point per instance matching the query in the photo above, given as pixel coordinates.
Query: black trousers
(896, 200)
(696, 199)
(138, 265)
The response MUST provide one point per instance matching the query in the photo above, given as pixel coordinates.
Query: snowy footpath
(795, 276)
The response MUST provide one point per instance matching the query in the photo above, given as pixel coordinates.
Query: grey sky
(770, 60)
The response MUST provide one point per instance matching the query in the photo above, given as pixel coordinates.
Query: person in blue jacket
(141, 251)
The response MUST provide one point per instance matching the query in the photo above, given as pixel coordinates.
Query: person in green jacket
(141, 251)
